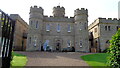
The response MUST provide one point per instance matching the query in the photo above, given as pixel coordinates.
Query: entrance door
(58, 43)
(58, 46)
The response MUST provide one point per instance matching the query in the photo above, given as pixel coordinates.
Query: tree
(114, 51)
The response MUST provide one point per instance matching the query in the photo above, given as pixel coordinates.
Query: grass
(96, 60)
(19, 60)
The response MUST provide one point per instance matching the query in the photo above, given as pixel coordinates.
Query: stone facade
(102, 30)
(59, 30)
(20, 34)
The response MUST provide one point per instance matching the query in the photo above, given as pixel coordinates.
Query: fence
(6, 38)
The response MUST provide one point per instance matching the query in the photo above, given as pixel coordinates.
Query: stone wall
(103, 29)
(21, 27)
(38, 34)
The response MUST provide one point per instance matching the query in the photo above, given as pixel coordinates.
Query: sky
(96, 8)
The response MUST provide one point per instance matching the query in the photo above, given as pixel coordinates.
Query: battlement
(65, 17)
(36, 9)
(107, 19)
(80, 11)
(59, 11)
(58, 8)
(103, 20)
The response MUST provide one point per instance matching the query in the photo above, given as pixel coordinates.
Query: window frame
(47, 27)
(69, 28)
(58, 28)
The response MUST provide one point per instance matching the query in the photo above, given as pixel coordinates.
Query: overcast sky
(96, 8)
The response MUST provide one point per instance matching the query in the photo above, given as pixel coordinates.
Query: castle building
(101, 31)
(58, 30)
(20, 34)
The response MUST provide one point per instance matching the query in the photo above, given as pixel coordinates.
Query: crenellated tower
(81, 30)
(35, 28)
(58, 11)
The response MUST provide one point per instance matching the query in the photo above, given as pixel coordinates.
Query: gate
(7, 32)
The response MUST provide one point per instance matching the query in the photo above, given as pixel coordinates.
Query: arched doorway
(58, 45)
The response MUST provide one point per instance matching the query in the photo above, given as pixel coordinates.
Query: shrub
(114, 51)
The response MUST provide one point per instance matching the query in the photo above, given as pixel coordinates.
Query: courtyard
(54, 58)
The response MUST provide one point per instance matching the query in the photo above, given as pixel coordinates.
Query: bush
(114, 51)
(105, 51)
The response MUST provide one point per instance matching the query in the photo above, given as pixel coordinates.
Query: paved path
(54, 59)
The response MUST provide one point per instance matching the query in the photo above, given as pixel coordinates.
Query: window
(47, 27)
(105, 27)
(69, 43)
(30, 40)
(95, 30)
(36, 24)
(35, 41)
(58, 28)
(69, 28)
(80, 44)
(109, 28)
(117, 28)
(31, 23)
(85, 26)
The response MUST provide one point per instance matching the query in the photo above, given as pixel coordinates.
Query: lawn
(96, 60)
(19, 60)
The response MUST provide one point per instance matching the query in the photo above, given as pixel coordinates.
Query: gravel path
(55, 59)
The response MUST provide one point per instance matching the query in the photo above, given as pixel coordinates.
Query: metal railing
(7, 28)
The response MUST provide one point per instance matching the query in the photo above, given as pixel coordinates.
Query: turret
(35, 28)
(36, 12)
(81, 28)
(81, 15)
(58, 11)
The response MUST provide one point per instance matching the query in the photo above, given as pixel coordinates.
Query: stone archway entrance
(58, 48)
(58, 43)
